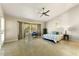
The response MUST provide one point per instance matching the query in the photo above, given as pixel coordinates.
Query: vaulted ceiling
(31, 10)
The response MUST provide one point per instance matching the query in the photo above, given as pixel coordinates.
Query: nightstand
(66, 37)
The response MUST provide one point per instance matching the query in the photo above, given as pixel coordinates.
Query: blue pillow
(55, 33)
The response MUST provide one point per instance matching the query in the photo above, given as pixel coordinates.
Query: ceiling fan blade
(41, 15)
(47, 11)
(46, 14)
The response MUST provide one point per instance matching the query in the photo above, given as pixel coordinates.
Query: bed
(54, 36)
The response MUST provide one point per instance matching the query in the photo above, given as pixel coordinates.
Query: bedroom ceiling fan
(44, 12)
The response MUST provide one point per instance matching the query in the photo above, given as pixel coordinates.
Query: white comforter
(53, 37)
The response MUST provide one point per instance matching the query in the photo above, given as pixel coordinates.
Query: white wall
(57, 23)
(68, 20)
(12, 27)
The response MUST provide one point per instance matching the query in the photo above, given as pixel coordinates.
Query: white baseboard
(8, 41)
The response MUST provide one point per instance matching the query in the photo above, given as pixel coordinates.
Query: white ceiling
(31, 10)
